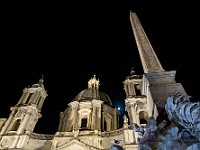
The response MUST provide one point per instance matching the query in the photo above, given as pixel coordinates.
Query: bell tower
(23, 117)
(136, 102)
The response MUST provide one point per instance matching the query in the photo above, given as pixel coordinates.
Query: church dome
(92, 92)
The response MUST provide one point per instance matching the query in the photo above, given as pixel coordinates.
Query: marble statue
(181, 131)
(184, 113)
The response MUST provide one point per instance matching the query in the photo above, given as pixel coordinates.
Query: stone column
(133, 113)
(25, 97)
(99, 118)
(41, 101)
(96, 114)
(73, 115)
(114, 119)
(7, 123)
(94, 118)
(60, 122)
(24, 122)
(34, 97)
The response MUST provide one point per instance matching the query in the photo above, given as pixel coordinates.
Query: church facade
(91, 122)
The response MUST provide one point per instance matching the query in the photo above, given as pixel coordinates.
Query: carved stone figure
(184, 113)
(150, 138)
(181, 131)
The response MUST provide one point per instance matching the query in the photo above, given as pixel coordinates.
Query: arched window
(143, 117)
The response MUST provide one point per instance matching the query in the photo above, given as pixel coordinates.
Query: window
(84, 123)
(137, 89)
(16, 125)
(105, 125)
(29, 97)
(142, 117)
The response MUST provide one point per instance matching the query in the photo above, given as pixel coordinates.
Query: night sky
(69, 42)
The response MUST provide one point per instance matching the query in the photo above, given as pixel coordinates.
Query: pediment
(75, 144)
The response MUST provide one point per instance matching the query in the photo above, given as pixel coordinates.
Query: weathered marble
(182, 130)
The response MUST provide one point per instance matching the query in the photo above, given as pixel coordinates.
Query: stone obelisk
(150, 61)
(158, 84)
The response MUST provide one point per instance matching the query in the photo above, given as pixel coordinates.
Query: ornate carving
(182, 132)
(93, 83)
(184, 113)
(140, 105)
(21, 113)
(6, 142)
(75, 131)
(147, 138)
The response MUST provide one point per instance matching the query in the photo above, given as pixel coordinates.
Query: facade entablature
(84, 111)
(135, 99)
(63, 134)
(85, 105)
(113, 133)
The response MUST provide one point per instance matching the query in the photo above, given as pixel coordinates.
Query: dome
(92, 92)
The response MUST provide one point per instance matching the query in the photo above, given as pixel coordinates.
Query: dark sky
(69, 42)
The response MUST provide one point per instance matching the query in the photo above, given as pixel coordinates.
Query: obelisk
(150, 61)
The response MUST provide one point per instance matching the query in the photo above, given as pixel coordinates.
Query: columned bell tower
(136, 101)
(23, 117)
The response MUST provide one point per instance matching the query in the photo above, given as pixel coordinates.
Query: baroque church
(160, 114)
